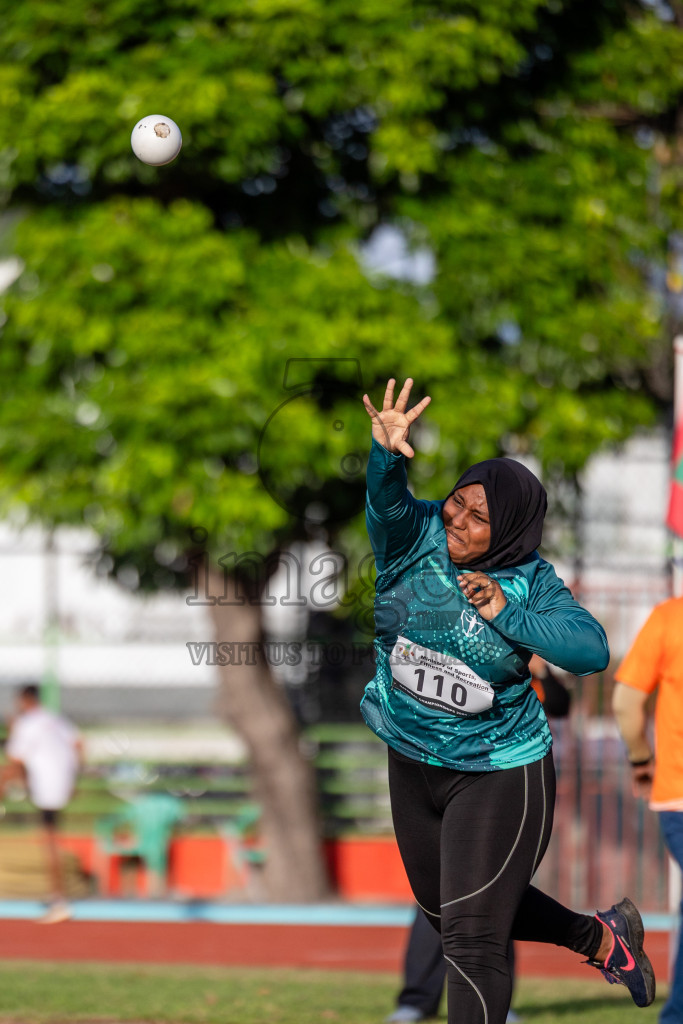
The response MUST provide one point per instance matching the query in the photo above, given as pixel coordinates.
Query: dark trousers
(470, 843)
(672, 826)
(424, 968)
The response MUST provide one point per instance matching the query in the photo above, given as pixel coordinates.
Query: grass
(37, 992)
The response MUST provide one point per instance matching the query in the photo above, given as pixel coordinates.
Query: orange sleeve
(641, 668)
(538, 688)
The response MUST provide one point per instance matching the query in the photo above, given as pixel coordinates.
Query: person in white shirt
(45, 751)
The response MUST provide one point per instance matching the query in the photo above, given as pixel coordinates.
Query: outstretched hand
(391, 427)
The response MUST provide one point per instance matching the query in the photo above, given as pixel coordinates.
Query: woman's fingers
(394, 421)
(477, 586)
(472, 581)
(369, 407)
(388, 402)
(404, 395)
(416, 410)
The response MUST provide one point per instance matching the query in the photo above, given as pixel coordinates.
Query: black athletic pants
(424, 968)
(470, 843)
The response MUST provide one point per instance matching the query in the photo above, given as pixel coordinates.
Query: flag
(674, 517)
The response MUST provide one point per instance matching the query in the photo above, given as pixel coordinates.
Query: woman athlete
(462, 602)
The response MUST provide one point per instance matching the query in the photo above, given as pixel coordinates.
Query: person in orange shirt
(655, 663)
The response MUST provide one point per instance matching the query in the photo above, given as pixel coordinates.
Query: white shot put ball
(156, 140)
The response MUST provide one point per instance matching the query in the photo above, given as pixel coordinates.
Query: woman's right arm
(395, 519)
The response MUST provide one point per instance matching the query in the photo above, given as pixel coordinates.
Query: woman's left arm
(555, 626)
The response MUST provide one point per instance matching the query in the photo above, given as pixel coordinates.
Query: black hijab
(517, 505)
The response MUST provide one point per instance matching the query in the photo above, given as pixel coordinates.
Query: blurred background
(484, 196)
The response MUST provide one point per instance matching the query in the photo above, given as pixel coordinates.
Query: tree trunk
(284, 781)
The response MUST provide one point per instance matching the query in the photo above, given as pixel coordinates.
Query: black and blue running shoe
(627, 963)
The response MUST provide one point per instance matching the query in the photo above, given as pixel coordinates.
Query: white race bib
(439, 680)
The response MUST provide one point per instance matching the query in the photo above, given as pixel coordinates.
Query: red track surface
(342, 948)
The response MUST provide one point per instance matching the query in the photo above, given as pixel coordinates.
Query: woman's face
(466, 521)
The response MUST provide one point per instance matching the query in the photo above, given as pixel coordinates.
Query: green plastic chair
(244, 848)
(142, 829)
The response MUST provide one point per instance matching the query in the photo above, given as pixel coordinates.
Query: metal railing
(605, 842)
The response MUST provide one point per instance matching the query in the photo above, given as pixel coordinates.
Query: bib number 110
(457, 695)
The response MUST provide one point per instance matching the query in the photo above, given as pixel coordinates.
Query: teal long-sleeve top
(451, 688)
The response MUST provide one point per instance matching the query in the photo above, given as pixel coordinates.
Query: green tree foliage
(146, 340)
